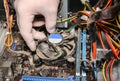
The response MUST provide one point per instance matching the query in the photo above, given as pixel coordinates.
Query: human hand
(26, 10)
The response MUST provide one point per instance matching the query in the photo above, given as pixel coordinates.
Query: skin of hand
(26, 10)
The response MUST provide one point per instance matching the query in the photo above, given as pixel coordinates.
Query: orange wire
(100, 38)
(102, 26)
(85, 13)
(112, 20)
(94, 45)
(109, 3)
(115, 51)
(105, 22)
(110, 42)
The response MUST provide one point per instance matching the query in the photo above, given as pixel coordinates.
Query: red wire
(107, 67)
(111, 69)
(102, 27)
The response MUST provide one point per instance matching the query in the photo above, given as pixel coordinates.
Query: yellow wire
(105, 22)
(94, 9)
(119, 17)
(110, 28)
(66, 19)
(118, 24)
(9, 38)
(6, 9)
(84, 8)
(11, 22)
(115, 43)
(113, 29)
(103, 71)
(8, 41)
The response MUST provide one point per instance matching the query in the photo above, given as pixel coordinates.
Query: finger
(38, 23)
(38, 35)
(50, 22)
(25, 26)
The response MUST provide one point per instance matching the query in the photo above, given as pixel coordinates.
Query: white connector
(84, 17)
(98, 9)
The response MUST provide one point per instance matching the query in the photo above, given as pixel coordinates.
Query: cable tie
(7, 33)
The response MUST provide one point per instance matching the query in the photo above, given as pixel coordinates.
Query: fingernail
(51, 30)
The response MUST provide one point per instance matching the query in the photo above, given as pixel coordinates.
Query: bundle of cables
(109, 26)
(103, 21)
(8, 41)
(107, 69)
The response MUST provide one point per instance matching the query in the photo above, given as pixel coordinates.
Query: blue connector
(14, 46)
(78, 55)
(84, 53)
(37, 78)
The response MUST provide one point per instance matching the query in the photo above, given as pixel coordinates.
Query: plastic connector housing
(37, 78)
(3, 32)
